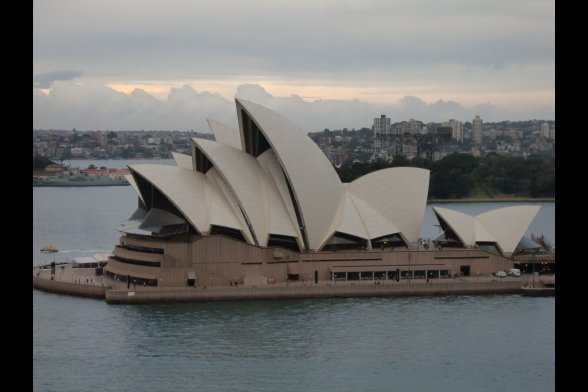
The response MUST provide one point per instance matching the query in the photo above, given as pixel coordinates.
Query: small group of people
(424, 243)
(236, 283)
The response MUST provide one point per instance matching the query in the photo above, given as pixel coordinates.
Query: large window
(132, 281)
(283, 241)
(388, 241)
(227, 232)
(342, 241)
(144, 249)
(137, 262)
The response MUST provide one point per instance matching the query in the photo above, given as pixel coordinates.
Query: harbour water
(473, 343)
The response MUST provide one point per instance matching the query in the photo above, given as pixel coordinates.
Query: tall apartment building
(381, 126)
(477, 131)
(457, 129)
(102, 138)
(545, 130)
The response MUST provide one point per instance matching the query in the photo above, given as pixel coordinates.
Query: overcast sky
(141, 64)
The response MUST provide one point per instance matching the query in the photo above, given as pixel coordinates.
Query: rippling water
(467, 343)
(459, 343)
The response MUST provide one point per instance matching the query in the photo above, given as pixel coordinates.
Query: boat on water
(86, 177)
(49, 249)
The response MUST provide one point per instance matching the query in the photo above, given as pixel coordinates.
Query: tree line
(459, 175)
(40, 162)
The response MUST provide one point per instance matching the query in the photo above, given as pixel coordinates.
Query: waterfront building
(263, 205)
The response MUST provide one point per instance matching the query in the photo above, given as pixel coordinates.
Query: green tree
(40, 162)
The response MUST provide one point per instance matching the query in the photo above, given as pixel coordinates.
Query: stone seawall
(118, 296)
(77, 289)
(83, 282)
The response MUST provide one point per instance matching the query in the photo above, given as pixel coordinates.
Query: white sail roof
(225, 134)
(191, 193)
(503, 226)
(256, 194)
(183, 160)
(463, 225)
(270, 178)
(399, 194)
(351, 220)
(271, 166)
(223, 207)
(376, 224)
(508, 224)
(316, 187)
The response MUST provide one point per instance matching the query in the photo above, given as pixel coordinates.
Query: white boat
(49, 249)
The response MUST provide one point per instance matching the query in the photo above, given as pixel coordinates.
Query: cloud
(371, 43)
(44, 80)
(95, 106)
(92, 106)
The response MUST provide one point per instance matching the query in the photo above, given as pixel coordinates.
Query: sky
(144, 64)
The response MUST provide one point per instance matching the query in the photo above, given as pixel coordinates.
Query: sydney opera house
(262, 205)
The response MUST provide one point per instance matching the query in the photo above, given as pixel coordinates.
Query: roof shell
(191, 193)
(508, 224)
(362, 220)
(505, 226)
(225, 134)
(183, 160)
(305, 167)
(399, 194)
(223, 206)
(463, 225)
(253, 190)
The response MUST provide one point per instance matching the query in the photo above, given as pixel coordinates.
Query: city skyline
(99, 65)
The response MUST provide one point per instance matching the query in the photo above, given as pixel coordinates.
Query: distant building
(545, 130)
(77, 151)
(102, 139)
(381, 126)
(445, 132)
(477, 125)
(457, 130)
(411, 126)
(54, 167)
